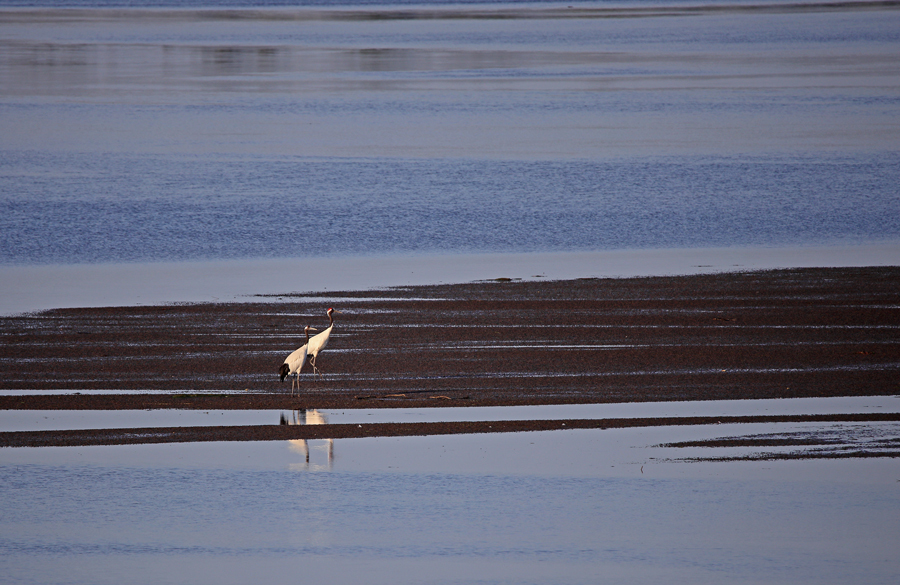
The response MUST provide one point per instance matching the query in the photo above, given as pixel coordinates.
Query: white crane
(294, 362)
(320, 341)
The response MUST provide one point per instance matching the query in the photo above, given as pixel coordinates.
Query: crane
(294, 362)
(320, 341)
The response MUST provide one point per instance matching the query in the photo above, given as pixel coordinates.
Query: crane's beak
(313, 329)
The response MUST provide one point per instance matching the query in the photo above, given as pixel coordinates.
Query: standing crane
(320, 341)
(294, 362)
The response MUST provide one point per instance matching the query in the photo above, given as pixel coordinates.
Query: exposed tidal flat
(781, 492)
(729, 336)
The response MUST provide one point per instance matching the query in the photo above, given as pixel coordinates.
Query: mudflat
(772, 334)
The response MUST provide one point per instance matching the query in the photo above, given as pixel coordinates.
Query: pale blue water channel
(567, 506)
(40, 420)
(545, 507)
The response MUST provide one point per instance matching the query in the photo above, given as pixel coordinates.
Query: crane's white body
(320, 342)
(294, 363)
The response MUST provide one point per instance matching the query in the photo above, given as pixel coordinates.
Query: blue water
(140, 208)
(552, 507)
(294, 133)
(442, 521)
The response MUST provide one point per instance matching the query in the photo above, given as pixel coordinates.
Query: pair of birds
(294, 362)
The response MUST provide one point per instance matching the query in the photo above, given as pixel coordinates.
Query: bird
(294, 362)
(320, 342)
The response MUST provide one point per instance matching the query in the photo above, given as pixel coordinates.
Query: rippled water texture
(162, 135)
(548, 507)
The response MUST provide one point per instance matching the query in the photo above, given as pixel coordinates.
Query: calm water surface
(549, 507)
(176, 135)
(39, 420)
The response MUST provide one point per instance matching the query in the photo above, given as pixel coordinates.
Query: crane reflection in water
(302, 416)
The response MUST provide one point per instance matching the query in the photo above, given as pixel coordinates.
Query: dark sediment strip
(71, 438)
(772, 334)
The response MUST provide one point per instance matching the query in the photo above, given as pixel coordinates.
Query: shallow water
(561, 507)
(182, 155)
(564, 506)
(39, 287)
(39, 420)
(171, 136)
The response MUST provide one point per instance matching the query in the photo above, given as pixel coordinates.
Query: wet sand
(69, 438)
(772, 334)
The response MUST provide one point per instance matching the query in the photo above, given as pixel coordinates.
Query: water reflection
(131, 67)
(51, 420)
(548, 507)
(228, 60)
(302, 416)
